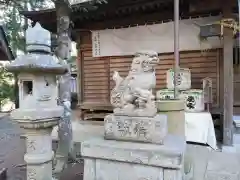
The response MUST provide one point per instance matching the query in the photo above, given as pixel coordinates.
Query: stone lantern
(38, 93)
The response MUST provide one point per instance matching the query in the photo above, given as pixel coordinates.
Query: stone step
(223, 166)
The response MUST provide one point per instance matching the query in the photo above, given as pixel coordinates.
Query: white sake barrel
(165, 94)
(184, 79)
(194, 100)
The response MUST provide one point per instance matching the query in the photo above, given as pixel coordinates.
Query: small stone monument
(38, 93)
(135, 144)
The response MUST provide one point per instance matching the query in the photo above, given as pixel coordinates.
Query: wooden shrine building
(108, 34)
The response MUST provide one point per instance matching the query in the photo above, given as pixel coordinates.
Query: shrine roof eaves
(86, 11)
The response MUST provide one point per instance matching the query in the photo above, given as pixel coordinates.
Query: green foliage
(13, 26)
(16, 24)
(6, 86)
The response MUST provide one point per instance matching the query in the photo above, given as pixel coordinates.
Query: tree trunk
(63, 53)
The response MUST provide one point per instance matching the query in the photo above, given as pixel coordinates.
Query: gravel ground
(12, 150)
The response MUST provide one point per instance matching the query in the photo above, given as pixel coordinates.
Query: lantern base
(37, 113)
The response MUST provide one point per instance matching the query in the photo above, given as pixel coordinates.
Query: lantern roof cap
(38, 39)
(38, 58)
(37, 63)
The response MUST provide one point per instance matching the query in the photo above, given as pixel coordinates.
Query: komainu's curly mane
(117, 93)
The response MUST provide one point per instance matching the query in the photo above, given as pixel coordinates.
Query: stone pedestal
(140, 129)
(108, 160)
(38, 125)
(174, 109)
(39, 154)
(135, 145)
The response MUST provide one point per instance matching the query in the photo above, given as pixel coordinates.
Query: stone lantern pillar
(38, 93)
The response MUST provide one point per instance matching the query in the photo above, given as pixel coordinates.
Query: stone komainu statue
(132, 95)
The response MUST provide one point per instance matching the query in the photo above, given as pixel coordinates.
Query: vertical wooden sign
(96, 44)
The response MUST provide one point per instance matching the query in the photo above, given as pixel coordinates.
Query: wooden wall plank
(95, 78)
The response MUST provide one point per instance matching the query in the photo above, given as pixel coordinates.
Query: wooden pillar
(79, 77)
(176, 46)
(79, 71)
(228, 79)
